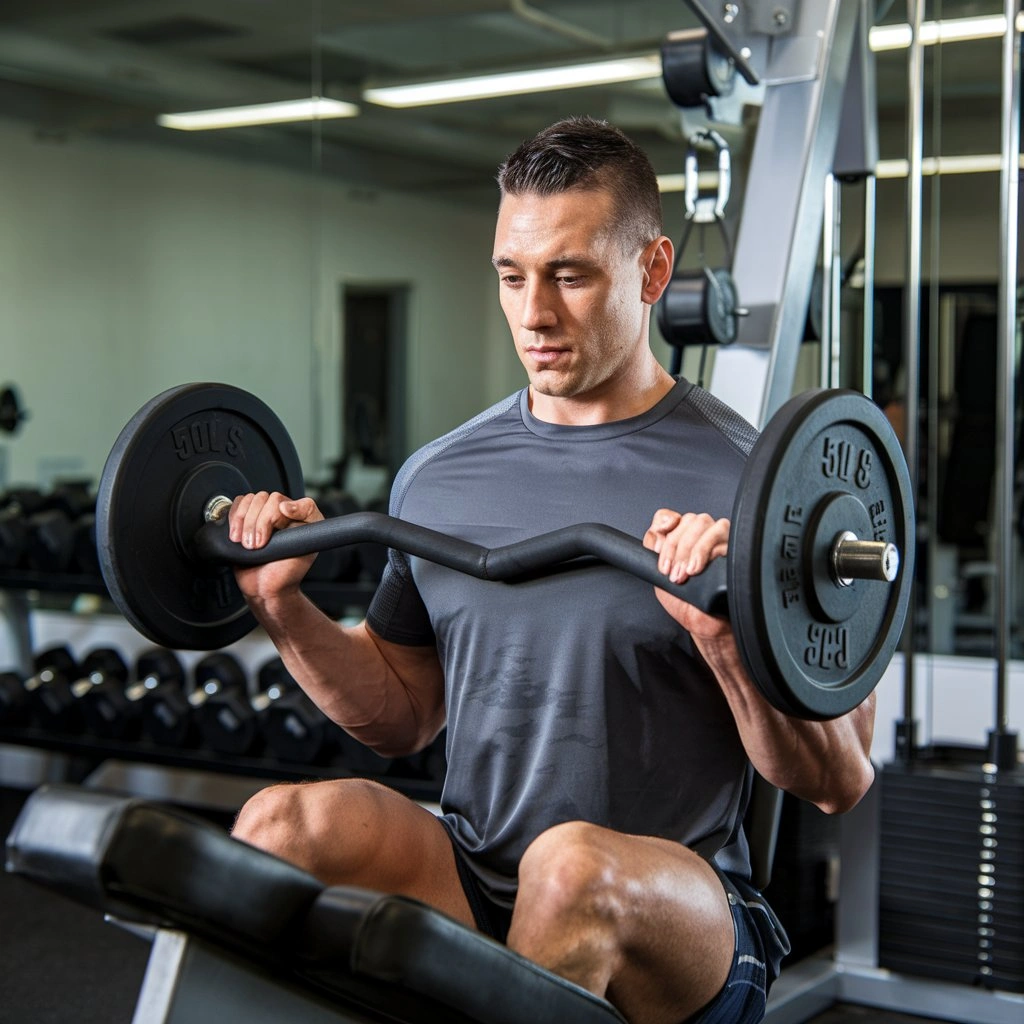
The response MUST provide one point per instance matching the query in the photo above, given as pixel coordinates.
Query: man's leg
(356, 832)
(644, 922)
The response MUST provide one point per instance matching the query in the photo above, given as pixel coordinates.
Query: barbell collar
(216, 509)
(854, 559)
(518, 560)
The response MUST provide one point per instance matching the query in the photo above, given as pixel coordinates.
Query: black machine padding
(149, 862)
(404, 942)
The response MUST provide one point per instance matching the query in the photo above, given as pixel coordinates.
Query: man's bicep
(418, 669)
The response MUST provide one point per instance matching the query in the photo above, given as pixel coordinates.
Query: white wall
(125, 270)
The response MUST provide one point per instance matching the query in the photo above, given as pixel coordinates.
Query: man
(599, 749)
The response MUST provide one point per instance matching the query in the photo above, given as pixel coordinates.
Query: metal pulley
(701, 306)
(694, 69)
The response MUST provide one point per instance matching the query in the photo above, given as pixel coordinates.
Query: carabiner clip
(706, 209)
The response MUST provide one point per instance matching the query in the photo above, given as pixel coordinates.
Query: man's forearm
(347, 673)
(826, 763)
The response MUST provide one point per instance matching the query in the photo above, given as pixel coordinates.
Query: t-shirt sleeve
(397, 612)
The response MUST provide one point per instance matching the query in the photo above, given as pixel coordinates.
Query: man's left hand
(686, 543)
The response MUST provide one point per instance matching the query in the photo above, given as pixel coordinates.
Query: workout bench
(239, 934)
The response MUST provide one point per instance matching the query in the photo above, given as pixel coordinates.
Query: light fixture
(975, 163)
(514, 83)
(955, 30)
(315, 108)
(707, 181)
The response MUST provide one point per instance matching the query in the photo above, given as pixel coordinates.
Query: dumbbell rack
(89, 757)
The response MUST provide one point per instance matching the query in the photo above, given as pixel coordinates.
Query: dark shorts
(761, 943)
(493, 919)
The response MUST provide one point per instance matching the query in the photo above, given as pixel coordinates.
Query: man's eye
(569, 280)
(512, 280)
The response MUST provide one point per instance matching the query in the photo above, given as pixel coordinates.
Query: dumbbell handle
(522, 558)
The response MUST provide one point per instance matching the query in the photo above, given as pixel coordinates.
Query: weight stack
(951, 885)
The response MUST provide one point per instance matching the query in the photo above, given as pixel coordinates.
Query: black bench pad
(153, 863)
(406, 943)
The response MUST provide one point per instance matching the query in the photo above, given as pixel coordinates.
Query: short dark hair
(587, 154)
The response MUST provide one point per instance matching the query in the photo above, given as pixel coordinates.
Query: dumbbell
(101, 692)
(50, 541)
(71, 497)
(28, 500)
(54, 706)
(296, 730)
(293, 726)
(220, 705)
(63, 705)
(13, 534)
(52, 534)
(16, 506)
(15, 708)
(84, 557)
(160, 688)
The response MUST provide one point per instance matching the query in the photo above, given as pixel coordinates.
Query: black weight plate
(178, 451)
(819, 444)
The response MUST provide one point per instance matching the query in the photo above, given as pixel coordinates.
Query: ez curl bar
(816, 583)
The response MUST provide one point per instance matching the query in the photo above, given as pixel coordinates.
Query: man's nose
(538, 307)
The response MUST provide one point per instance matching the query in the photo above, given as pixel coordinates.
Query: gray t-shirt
(573, 696)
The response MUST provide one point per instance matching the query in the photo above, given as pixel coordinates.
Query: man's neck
(628, 398)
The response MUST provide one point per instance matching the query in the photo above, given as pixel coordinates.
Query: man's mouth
(545, 356)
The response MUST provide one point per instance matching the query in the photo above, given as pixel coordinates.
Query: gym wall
(128, 269)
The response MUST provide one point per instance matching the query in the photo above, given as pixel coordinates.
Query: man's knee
(267, 818)
(570, 872)
(303, 823)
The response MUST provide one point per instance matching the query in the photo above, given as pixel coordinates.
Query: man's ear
(658, 258)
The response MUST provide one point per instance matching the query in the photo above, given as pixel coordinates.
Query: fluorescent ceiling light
(315, 108)
(955, 30)
(513, 83)
(707, 181)
(978, 163)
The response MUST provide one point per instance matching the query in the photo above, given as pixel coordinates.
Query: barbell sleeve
(522, 558)
(855, 559)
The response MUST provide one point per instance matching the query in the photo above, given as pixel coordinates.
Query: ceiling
(108, 67)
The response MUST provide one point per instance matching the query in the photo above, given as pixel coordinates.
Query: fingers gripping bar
(502, 564)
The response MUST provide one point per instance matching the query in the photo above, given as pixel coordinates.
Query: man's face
(571, 295)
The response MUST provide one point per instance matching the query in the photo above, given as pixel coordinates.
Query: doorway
(373, 373)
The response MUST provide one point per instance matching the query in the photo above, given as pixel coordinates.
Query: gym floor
(62, 963)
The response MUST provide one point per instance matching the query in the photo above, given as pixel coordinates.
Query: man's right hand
(252, 521)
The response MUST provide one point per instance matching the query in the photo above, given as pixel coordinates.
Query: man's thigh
(658, 939)
(357, 832)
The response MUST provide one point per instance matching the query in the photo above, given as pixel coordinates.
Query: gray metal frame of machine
(808, 64)
(798, 60)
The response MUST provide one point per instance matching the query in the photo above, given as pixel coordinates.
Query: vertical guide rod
(835, 280)
(831, 283)
(1002, 743)
(868, 353)
(828, 244)
(906, 739)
